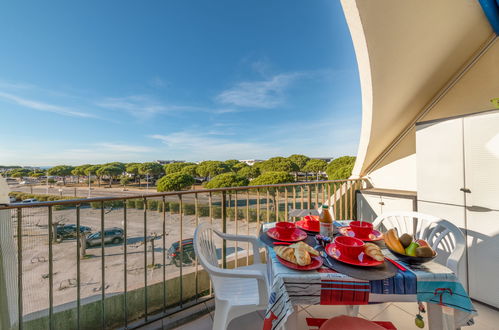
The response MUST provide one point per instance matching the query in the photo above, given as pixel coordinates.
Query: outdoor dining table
(449, 306)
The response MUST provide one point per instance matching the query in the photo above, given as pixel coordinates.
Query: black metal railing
(119, 281)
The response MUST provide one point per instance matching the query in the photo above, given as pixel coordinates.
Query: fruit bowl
(412, 260)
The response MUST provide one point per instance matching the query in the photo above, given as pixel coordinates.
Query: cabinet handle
(381, 203)
(465, 190)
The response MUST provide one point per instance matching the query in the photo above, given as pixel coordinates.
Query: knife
(396, 264)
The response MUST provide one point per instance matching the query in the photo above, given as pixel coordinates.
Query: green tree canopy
(62, 171)
(36, 174)
(315, 166)
(278, 164)
(226, 180)
(272, 177)
(111, 171)
(237, 167)
(175, 167)
(249, 172)
(80, 170)
(151, 169)
(231, 163)
(174, 182)
(91, 170)
(133, 168)
(122, 166)
(190, 170)
(340, 168)
(211, 168)
(300, 160)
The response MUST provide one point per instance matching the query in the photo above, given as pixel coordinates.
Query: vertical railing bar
(351, 199)
(258, 209)
(336, 211)
(164, 253)
(294, 200)
(125, 263)
(309, 188)
(211, 223)
(317, 196)
(224, 228)
(341, 200)
(268, 206)
(276, 206)
(145, 260)
(236, 220)
(301, 196)
(78, 256)
(181, 218)
(51, 269)
(103, 269)
(196, 257)
(286, 204)
(247, 225)
(329, 195)
(20, 268)
(346, 199)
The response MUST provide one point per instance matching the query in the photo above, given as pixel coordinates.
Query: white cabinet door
(440, 162)
(392, 204)
(481, 136)
(368, 207)
(456, 215)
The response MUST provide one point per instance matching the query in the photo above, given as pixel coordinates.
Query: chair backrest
(442, 235)
(205, 247)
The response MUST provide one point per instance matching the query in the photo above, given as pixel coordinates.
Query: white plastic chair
(237, 291)
(442, 235)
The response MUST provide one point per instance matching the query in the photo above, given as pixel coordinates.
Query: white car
(30, 200)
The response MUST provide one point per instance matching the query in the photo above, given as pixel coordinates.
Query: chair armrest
(244, 238)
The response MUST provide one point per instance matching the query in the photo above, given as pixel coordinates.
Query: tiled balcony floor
(400, 314)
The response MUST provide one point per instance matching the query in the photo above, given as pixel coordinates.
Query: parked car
(111, 235)
(188, 252)
(30, 200)
(69, 231)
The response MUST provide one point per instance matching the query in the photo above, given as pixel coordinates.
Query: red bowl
(361, 229)
(285, 228)
(350, 247)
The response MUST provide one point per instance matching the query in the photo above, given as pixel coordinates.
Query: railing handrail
(168, 193)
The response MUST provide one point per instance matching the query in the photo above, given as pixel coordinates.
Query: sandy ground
(36, 254)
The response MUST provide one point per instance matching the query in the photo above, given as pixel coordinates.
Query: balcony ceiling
(406, 52)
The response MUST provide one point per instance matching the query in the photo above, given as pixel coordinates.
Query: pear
(411, 249)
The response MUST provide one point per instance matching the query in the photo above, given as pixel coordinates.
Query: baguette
(374, 251)
(308, 248)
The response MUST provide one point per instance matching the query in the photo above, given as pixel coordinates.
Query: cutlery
(396, 264)
(324, 256)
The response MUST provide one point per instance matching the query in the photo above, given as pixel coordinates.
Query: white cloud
(123, 147)
(143, 105)
(200, 146)
(265, 94)
(41, 106)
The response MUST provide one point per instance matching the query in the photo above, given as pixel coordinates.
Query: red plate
(295, 236)
(316, 263)
(373, 236)
(305, 225)
(363, 259)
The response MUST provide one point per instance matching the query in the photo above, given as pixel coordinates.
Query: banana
(392, 241)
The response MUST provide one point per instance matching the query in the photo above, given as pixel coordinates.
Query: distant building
(326, 159)
(164, 162)
(250, 162)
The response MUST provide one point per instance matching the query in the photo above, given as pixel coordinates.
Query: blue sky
(99, 81)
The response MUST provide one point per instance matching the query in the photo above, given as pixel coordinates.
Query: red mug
(361, 229)
(350, 247)
(285, 228)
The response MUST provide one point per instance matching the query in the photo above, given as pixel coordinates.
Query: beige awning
(408, 52)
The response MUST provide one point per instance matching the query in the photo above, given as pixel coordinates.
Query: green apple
(411, 249)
